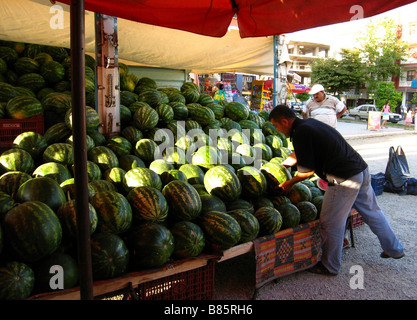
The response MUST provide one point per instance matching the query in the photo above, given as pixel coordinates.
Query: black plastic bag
(397, 171)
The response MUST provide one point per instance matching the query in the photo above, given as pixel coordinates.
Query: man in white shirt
(323, 107)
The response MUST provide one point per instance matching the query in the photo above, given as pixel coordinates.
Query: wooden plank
(237, 251)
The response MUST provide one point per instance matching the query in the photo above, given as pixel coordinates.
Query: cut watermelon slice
(322, 185)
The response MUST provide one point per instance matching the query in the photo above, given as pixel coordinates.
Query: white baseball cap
(316, 88)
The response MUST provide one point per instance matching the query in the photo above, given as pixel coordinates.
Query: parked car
(296, 107)
(361, 113)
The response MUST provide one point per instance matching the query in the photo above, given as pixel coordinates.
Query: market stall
(81, 122)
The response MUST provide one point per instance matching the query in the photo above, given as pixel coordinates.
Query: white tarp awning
(36, 21)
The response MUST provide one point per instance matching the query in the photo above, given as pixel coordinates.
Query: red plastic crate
(11, 128)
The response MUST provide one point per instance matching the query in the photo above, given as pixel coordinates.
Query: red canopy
(256, 18)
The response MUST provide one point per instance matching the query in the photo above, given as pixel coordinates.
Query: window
(411, 74)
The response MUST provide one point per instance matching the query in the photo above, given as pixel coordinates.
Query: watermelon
(165, 113)
(191, 95)
(32, 231)
(104, 157)
(59, 152)
(160, 165)
(90, 144)
(23, 107)
(172, 175)
(98, 138)
(210, 202)
(223, 183)
(183, 200)
(193, 173)
(275, 174)
(113, 210)
(16, 160)
(6, 203)
(205, 99)
(68, 218)
(217, 109)
(180, 110)
(53, 170)
(31, 81)
(252, 180)
(278, 200)
(261, 202)
(68, 186)
(206, 157)
(92, 119)
(148, 204)
(270, 220)
(26, 65)
(100, 185)
(290, 215)
(109, 256)
(248, 223)
(150, 96)
(299, 192)
(12, 180)
(17, 281)
(138, 177)
(318, 202)
(239, 204)
(151, 244)
(132, 134)
(32, 142)
(203, 115)
(52, 71)
(58, 132)
(130, 161)
(188, 239)
(115, 176)
(127, 97)
(147, 82)
(44, 273)
(236, 111)
(57, 102)
(119, 145)
(308, 211)
(145, 149)
(220, 229)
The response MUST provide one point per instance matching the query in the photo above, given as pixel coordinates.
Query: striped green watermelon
(57, 53)
(109, 256)
(43, 270)
(90, 144)
(6, 203)
(100, 185)
(58, 132)
(145, 149)
(170, 175)
(31, 81)
(191, 95)
(223, 183)
(93, 171)
(151, 96)
(275, 174)
(248, 223)
(53, 170)
(194, 174)
(220, 229)
(32, 231)
(318, 202)
(59, 152)
(7, 92)
(16, 160)
(23, 107)
(262, 201)
(180, 110)
(278, 200)
(270, 220)
(42, 57)
(147, 82)
(290, 215)
(252, 180)
(52, 71)
(217, 109)
(115, 176)
(113, 210)
(263, 151)
(308, 211)
(67, 216)
(269, 129)
(152, 244)
(32, 142)
(139, 176)
(207, 157)
(130, 161)
(148, 204)
(165, 113)
(92, 119)
(68, 186)
(236, 111)
(188, 239)
(183, 200)
(42, 189)
(104, 157)
(26, 65)
(264, 115)
(12, 180)
(160, 165)
(205, 99)
(132, 134)
(17, 281)
(203, 115)
(210, 202)
(127, 98)
(57, 102)
(240, 203)
(254, 116)
(119, 145)
(299, 192)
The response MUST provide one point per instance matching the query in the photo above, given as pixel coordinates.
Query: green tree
(302, 96)
(340, 75)
(386, 91)
(381, 50)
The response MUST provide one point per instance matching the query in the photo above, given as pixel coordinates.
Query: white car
(361, 113)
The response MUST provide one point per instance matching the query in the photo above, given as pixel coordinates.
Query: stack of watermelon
(204, 183)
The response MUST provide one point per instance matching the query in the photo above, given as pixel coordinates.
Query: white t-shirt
(325, 110)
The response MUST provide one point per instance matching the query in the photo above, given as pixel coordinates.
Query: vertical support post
(107, 75)
(80, 152)
(276, 85)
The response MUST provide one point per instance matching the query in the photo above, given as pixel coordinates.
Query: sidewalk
(358, 130)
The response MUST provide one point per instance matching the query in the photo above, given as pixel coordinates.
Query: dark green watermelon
(17, 281)
(188, 239)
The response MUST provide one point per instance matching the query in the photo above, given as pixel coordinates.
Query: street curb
(377, 134)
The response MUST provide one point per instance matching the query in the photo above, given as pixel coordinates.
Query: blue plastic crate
(377, 183)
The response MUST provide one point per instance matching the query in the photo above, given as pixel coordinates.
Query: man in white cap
(323, 107)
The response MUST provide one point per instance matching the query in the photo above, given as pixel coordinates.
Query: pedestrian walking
(320, 149)
(386, 109)
(408, 118)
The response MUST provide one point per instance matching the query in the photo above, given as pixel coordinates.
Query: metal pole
(276, 87)
(80, 151)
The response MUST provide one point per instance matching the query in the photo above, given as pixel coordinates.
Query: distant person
(408, 118)
(322, 150)
(386, 109)
(323, 107)
(220, 95)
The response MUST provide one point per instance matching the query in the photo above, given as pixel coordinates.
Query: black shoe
(319, 268)
(386, 255)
